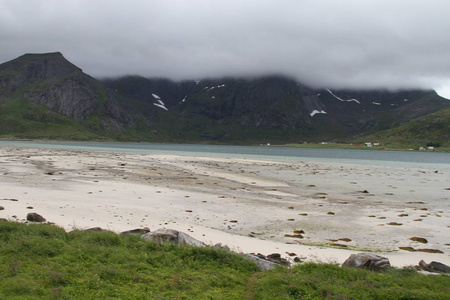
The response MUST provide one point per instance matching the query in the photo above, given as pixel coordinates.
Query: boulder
(367, 261)
(434, 266)
(2, 208)
(172, 236)
(263, 264)
(137, 231)
(221, 246)
(96, 229)
(34, 217)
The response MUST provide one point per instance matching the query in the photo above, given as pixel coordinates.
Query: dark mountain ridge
(49, 79)
(279, 103)
(227, 110)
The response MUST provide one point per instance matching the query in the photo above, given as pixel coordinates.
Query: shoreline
(248, 204)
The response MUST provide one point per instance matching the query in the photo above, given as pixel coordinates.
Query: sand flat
(248, 204)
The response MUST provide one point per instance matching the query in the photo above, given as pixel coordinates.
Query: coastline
(247, 204)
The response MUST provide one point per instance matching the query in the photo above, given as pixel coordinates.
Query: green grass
(23, 118)
(325, 281)
(41, 261)
(44, 262)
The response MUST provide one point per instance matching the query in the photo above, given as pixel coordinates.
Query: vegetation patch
(42, 261)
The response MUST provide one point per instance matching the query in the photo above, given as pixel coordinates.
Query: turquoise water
(276, 153)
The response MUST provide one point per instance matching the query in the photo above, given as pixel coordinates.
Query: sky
(364, 44)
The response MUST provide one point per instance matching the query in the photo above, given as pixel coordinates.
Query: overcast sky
(326, 43)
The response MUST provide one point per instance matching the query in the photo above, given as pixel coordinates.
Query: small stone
(298, 236)
(2, 208)
(299, 231)
(297, 260)
(419, 239)
(394, 224)
(330, 213)
(30, 207)
(291, 220)
(233, 221)
(338, 245)
(403, 215)
(410, 249)
(34, 217)
(303, 214)
(430, 250)
(345, 240)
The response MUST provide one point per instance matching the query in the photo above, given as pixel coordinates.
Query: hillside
(270, 109)
(46, 96)
(430, 130)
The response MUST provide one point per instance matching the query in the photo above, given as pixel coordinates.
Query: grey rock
(263, 264)
(276, 258)
(367, 261)
(221, 246)
(172, 236)
(434, 266)
(137, 231)
(96, 229)
(34, 217)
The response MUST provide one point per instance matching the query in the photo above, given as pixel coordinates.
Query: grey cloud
(371, 43)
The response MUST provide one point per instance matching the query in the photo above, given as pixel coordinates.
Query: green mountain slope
(45, 96)
(430, 130)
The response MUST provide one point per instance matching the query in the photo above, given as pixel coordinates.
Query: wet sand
(250, 205)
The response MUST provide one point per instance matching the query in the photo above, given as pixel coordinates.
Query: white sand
(200, 196)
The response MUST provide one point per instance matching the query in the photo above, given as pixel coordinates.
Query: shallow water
(278, 153)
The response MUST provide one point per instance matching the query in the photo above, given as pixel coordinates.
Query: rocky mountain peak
(50, 79)
(29, 68)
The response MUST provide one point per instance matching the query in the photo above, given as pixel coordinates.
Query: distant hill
(45, 96)
(430, 130)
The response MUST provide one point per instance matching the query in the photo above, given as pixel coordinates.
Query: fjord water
(261, 152)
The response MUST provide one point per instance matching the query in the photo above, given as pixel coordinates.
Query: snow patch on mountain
(340, 99)
(160, 103)
(315, 112)
(214, 87)
(376, 103)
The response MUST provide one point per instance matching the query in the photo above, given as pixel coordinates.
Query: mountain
(49, 88)
(46, 96)
(270, 109)
(430, 130)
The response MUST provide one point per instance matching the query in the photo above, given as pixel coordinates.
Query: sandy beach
(250, 205)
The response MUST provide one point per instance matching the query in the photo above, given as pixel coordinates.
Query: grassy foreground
(45, 262)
